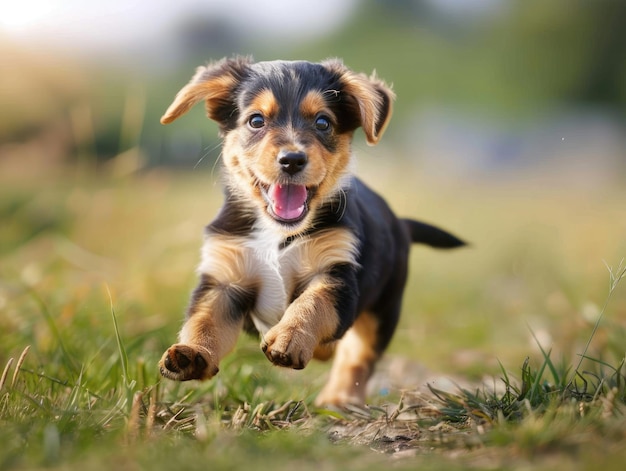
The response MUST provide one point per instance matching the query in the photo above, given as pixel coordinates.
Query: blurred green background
(509, 130)
(484, 86)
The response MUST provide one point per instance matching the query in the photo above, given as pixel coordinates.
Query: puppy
(302, 252)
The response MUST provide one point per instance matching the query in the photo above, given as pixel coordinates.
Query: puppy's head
(287, 129)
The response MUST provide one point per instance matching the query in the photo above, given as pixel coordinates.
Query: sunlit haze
(77, 23)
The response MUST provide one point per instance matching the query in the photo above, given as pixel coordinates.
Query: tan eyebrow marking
(312, 104)
(266, 103)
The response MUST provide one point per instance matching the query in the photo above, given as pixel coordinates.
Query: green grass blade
(118, 338)
(615, 278)
(547, 360)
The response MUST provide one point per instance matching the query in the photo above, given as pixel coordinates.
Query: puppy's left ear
(377, 111)
(369, 99)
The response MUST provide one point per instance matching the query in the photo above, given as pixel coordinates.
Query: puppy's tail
(422, 233)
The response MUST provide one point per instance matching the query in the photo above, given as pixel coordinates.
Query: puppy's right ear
(215, 84)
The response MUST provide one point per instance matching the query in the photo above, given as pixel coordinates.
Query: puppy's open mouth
(287, 203)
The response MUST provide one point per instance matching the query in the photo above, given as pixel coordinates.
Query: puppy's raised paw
(185, 362)
(288, 347)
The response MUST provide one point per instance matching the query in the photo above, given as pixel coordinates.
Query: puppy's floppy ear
(369, 99)
(213, 83)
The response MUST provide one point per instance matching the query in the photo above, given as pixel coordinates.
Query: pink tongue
(288, 201)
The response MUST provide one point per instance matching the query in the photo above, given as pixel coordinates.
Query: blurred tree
(202, 38)
(567, 51)
(520, 55)
(605, 78)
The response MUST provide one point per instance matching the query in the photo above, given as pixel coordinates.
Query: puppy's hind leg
(355, 356)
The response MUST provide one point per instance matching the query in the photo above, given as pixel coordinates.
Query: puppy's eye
(256, 121)
(322, 123)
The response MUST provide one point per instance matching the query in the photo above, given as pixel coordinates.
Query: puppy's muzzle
(292, 162)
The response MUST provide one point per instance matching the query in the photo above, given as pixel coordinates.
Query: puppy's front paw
(185, 362)
(288, 347)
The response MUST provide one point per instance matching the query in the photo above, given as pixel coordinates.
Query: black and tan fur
(301, 251)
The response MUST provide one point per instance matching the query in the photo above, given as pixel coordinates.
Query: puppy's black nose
(292, 162)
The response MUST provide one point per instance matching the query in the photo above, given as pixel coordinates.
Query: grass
(510, 355)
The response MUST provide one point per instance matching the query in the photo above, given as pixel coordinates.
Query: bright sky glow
(19, 16)
(117, 22)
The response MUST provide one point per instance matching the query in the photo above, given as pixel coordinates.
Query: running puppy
(302, 251)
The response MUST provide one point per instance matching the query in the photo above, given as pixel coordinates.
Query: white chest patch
(270, 269)
(259, 262)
